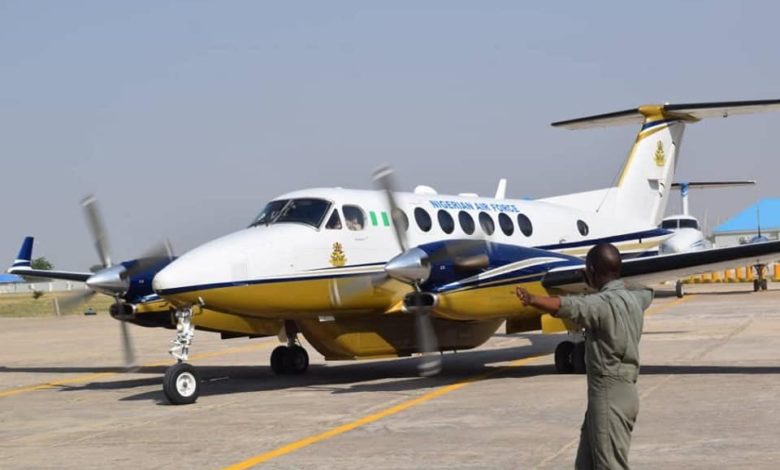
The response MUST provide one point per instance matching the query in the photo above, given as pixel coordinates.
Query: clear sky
(186, 117)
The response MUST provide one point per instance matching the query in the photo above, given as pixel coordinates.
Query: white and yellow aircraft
(362, 273)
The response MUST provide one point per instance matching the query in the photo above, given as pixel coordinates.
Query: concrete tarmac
(709, 386)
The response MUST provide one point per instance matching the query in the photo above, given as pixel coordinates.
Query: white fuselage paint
(293, 250)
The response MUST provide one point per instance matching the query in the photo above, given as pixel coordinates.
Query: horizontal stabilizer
(713, 184)
(691, 112)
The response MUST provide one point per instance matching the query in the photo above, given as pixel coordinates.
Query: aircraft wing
(673, 266)
(21, 266)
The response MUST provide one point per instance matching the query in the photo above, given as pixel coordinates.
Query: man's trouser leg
(606, 433)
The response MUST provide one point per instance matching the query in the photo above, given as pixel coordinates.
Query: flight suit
(612, 320)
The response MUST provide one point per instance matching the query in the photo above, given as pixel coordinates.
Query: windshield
(689, 223)
(304, 211)
(669, 224)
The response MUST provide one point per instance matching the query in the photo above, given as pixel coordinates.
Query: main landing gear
(292, 358)
(570, 357)
(181, 384)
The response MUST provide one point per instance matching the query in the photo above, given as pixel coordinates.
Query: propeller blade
(74, 299)
(344, 290)
(128, 351)
(383, 180)
(428, 344)
(466, 254)
(156, 256)
(97, 229)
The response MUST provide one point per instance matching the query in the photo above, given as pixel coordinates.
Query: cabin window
(486, 222)
(466, 222)
(525, 225)
(400, 218)
(354, 217)
(423, 219)
(307, 211)
(583, 228)
(334, 223)
(505, 222)
(446, 222)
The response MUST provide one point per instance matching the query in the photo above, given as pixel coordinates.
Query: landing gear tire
(764, 284)
(181, 384)
(277, 359)
(563, 357)
(297, 360)
(578, 357)
(756, 285)
(289, 360)
(679, 289)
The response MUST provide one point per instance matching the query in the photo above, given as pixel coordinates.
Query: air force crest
(337, 256)
(660, 156)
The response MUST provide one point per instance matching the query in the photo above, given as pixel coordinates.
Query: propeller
(114, 279)
(427, 342)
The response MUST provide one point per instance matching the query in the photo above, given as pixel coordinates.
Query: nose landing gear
(181, 384)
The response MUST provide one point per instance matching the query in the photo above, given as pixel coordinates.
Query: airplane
(382, 273)
(688, 234)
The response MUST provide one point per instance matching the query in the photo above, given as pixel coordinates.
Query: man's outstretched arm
(550, 305)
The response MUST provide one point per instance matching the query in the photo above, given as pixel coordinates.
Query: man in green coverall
(612, 320)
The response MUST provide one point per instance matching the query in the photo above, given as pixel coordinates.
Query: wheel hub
(185, 384)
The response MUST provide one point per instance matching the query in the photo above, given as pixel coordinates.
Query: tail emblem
(660, 156)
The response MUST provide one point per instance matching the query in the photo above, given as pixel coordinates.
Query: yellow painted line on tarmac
(100, 375)
(664, 307)
(395, 409)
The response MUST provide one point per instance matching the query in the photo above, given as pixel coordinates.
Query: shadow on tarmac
(391, 375)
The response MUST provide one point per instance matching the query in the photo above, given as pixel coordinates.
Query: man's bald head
(605, 262)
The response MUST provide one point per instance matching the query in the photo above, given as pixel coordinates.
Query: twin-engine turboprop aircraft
(383, 273)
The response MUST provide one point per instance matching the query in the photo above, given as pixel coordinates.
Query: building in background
(742, 227)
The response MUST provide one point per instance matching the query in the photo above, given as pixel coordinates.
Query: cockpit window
(669, 224)
(334, 223)
(270, 212)
(689, 223)
(307, 211)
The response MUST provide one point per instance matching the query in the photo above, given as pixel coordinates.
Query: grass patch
(24, 305)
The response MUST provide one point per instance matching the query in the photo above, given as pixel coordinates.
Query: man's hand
(524, 296)
(548, 304)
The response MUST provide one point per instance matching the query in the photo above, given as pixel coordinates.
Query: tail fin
(642, 189)
(24, 258)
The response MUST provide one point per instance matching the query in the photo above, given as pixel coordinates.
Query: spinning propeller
(413, 266)
(114, 279)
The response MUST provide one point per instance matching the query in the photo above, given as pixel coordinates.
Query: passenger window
(583, 228)
(486, 222)
(505, 222)
(401, 219)
(423, 219)
(525, 225)
(354, 218)
(334, 223)
(466, 222)
(445, 221)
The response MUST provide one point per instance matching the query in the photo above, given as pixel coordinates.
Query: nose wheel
(181, 384)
